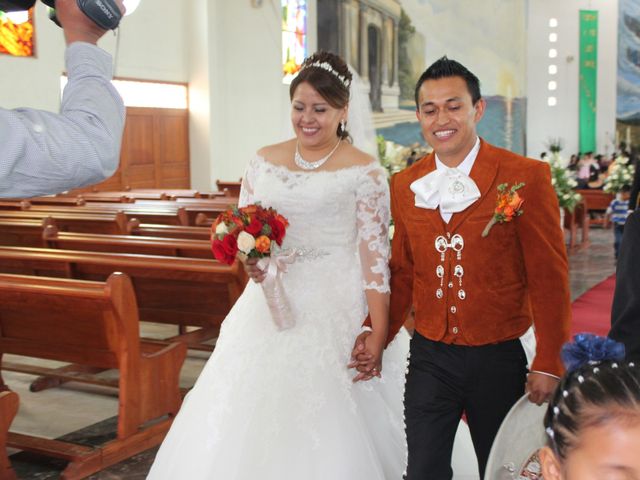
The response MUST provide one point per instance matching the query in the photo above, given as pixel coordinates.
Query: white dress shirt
(465, 167)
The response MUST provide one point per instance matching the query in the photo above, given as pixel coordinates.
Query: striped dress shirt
(45, 153)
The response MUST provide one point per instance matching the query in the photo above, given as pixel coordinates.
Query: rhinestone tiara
(327, 66)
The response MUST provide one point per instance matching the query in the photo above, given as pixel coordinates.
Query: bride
(280, 405)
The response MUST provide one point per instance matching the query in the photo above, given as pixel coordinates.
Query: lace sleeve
(247, 196)
(372, 210)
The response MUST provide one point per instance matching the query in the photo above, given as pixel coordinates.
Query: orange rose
(508, 212)
(263, 244)
(516, 201)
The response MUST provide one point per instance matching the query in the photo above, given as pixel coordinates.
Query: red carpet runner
(592, 310)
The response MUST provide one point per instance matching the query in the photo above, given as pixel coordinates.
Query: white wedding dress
(281, 405)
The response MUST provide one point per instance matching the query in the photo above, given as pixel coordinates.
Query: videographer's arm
(45, 153)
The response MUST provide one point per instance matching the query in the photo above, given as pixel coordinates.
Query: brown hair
(326, 83)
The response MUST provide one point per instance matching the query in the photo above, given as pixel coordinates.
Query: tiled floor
(90, 415)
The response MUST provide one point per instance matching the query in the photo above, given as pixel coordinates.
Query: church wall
(491, 42)
(243, 103)
(545, 122)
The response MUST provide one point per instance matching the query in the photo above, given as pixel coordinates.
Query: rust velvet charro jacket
(516, 276)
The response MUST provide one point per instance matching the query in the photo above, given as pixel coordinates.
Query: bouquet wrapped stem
(274, 266)
(252, 232)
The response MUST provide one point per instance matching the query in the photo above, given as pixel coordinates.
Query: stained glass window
(16, 33)
(294, 37)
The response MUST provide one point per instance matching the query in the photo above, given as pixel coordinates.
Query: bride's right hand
(255, 273)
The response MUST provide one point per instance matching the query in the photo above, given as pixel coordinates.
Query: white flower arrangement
(563, 183)
(620, 175)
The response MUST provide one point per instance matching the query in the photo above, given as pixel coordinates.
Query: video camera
(104, 13)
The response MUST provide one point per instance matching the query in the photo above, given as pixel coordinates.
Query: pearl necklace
(303, 164)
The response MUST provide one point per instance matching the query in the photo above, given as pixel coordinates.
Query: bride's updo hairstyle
(329, 75)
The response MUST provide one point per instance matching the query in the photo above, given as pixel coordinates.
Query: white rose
(222, 229)
(246, 242)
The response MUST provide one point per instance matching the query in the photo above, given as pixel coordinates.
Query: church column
(385, 50)
(364, 44)
(395, 58)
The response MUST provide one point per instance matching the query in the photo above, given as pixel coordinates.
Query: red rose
(254, 227)
(277, 230)
(225, 250)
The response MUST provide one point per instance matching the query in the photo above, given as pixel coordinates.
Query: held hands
(76, 25)
(366, 356)
(540, 387)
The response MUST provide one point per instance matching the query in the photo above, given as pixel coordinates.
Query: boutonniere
(508, 205)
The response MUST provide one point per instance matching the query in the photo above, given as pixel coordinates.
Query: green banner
(588, 79)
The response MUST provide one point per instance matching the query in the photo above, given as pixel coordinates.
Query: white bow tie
(448, 188)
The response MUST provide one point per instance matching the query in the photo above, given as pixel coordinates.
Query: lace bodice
(346, 208)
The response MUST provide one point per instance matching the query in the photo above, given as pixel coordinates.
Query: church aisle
(92, 418)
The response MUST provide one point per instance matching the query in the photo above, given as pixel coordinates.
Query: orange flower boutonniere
(509, 205)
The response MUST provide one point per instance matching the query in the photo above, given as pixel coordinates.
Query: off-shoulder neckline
(367, 166)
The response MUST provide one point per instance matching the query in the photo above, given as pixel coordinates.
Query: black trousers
(446, 380)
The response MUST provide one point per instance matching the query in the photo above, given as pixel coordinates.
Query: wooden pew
(119, 197)
(233, 187)
(107, 223)
(171, 215)
(122, 196)
(170, 231)
(91, 242)
(8, 408)
(23, 233)
(186, 292)
(77, 200)
(94, 324)
(9, 204)
(579, 218)
(171, 193)
(597, 202)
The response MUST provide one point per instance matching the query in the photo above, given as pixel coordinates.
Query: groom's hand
(361, 359)
(540, 387)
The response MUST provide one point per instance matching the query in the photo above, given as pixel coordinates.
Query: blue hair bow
(588, 348)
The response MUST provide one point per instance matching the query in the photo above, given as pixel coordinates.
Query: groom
(479, 254)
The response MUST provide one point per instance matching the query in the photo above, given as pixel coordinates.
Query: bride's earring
(343, 126)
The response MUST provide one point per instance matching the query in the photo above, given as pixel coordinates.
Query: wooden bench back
(232, 187)
(171, 231)
(178, 291)
(70, 320)
(107, 223)
(23, 232)
(91, 242)
(171, 215)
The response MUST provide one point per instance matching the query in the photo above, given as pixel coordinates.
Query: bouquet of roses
(246, 232)
(256, 232)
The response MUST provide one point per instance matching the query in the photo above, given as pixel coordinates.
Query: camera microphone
(104, 13)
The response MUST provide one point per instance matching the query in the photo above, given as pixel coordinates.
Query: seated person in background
(573, 163)
(617, 214)
(45, 153)
(593, 419)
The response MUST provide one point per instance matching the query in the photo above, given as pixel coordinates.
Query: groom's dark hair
(443, 68)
